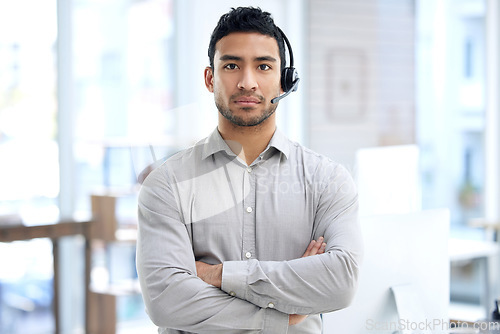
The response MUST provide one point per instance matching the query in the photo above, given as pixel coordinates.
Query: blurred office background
(92, 92)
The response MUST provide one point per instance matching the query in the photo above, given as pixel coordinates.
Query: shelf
(110, 233)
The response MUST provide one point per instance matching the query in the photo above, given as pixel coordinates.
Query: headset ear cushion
(287, 78)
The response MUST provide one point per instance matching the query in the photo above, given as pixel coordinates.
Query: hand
(315, 247)
(294, 319)
(211, 274)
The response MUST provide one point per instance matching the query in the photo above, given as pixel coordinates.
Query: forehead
(247, 44)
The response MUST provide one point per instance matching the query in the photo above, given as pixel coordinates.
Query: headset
(289, 76)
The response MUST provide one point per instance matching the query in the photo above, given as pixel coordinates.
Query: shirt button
(248, 255)
(270, 305)
(249, 169)
(249, 209)
(232, 293)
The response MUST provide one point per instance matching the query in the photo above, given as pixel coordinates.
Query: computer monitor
(401, 250)
(388, 180)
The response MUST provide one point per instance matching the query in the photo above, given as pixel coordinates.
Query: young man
(247, 232)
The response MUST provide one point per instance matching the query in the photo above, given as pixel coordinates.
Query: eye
(264, 67)
(231, 66)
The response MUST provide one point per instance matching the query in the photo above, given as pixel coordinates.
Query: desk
(465, 250)
(54, 231)
(488, 225)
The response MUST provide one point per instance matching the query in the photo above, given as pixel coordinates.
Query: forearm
(318, 284)
(302, 286)
(212, 274)
(191, 305)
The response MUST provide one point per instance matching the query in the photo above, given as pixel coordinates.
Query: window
(451, 107)
(451, 85)
(29, 167)
(123, 96)
(28, 108)
(123, 75)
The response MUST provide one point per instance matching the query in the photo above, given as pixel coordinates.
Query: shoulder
(322, 174)
(317, 163)
(187, 155)
(178, 165)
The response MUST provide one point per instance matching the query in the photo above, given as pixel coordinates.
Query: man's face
(245, 77)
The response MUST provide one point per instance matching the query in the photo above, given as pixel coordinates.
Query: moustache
(247, 93)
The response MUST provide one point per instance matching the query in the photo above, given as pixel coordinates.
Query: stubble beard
(228, 114)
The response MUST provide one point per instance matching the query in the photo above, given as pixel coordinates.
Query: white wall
(361, 91)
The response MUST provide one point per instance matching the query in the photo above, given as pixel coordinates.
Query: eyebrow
(237, 58)
(266, 58)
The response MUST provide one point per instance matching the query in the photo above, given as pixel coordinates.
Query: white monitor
(409, 250)
(388, 180)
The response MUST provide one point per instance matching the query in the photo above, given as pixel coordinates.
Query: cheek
(223, 88)
(276, 84)
(219, 96)
(276, 89)
(219, 84)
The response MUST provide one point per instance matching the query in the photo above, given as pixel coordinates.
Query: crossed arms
(235, 296)
(212, 274)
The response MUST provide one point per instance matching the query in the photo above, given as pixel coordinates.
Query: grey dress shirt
(205, 203)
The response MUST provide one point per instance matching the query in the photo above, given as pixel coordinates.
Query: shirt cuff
(241, 279)
(234, 278)
(234, 283)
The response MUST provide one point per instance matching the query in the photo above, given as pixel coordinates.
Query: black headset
(289, 76)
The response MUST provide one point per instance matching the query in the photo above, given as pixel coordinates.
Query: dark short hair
(246, 19)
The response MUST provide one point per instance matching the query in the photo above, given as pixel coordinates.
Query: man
(247, 232)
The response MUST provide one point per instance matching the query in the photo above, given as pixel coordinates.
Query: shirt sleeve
(315, 284)
(173, 295)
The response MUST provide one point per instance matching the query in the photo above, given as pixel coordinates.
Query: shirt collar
(279, 142)
(215, 143)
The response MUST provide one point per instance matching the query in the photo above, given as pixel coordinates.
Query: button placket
(248, 246)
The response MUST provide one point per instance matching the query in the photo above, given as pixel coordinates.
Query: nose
(248, 80)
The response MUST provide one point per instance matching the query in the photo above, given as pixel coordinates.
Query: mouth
(247, 101)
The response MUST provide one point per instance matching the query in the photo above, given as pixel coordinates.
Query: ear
(209, 79)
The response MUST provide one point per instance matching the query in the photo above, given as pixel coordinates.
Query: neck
(247, 141)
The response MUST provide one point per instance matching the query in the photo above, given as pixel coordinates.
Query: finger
(316, 246)
(322, 248)
(309, 248)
